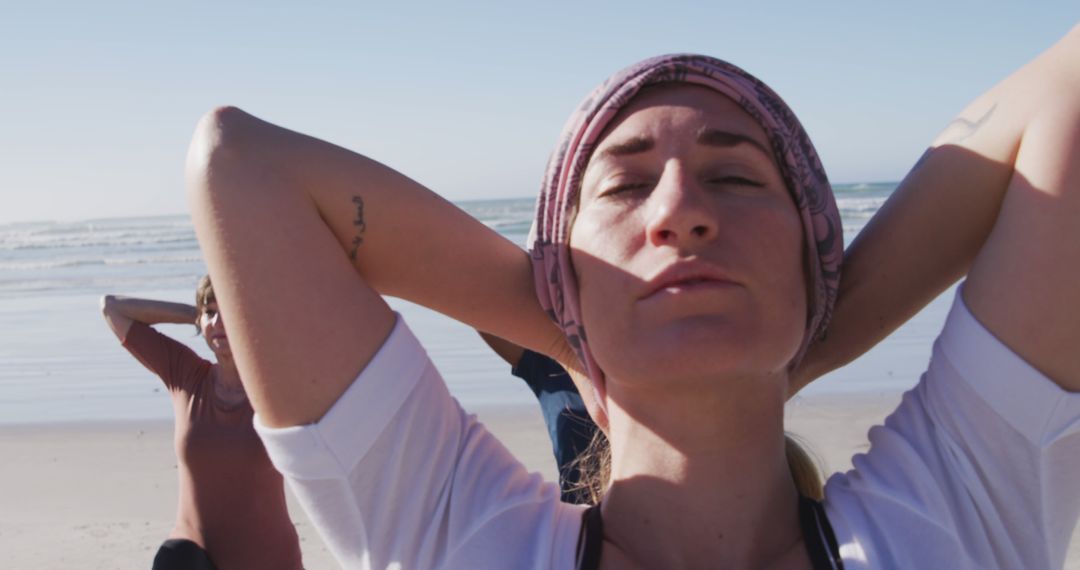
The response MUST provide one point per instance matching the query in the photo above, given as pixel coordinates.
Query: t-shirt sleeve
(175, 363)
(397, 474)
(978, 466)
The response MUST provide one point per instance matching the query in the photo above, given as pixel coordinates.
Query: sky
(98, 99)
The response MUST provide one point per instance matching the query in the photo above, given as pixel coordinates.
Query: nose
(679, 211)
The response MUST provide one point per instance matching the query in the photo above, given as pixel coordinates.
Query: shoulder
(399, 458)
(970, 467)
(174, 362)
(974, 372)
(544, 534)
(370, 407)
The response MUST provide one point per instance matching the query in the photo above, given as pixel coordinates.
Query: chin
(702, 347)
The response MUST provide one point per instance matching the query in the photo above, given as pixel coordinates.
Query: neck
(227, 376)
(699, 478)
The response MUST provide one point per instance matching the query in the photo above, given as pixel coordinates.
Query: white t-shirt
(979, 467)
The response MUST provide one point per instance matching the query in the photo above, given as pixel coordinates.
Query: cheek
(601, 248)
(783, 251)
(784, 263)
(608, 234)
(604, 299)
(595, 264)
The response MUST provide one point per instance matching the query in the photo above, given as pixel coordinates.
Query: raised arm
(996, 197)
(120, 312)
(302, 237)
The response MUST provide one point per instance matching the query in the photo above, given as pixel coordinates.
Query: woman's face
(687, 246)
(213, 330)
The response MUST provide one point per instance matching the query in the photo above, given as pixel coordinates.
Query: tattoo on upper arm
(960, 129)
(360, 227)
(954, 133)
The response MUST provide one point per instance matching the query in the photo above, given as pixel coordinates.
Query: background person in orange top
(231, 512)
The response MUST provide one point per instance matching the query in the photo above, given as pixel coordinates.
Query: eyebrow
(725, 139)
(635, 145)
(706, 136)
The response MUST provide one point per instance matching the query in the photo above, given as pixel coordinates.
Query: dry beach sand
(102, 495)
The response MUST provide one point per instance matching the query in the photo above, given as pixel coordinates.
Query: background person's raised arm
(120, 312)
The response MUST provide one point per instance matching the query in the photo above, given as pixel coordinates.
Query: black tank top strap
(590, 540)
(818, 536)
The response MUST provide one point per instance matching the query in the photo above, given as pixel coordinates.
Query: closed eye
(736, 181)
(627, 187)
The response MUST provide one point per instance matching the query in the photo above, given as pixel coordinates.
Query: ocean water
(60, 362)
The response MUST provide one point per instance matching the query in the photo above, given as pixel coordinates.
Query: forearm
(920, 242)
(302, 236)
(405, 240)
(150, 311)
(930, 230)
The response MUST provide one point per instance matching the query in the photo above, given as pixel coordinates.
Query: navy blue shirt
(569, 425)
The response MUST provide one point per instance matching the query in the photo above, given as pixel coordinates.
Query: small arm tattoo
(964, 128)
(360, 227)
(955, 132)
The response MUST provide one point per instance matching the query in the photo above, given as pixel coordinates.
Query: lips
(687, 276)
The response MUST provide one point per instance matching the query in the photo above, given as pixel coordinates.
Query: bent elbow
(224, 143)
(106, 303)
(216, 137)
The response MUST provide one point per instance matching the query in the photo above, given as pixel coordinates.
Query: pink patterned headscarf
(556, 284)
